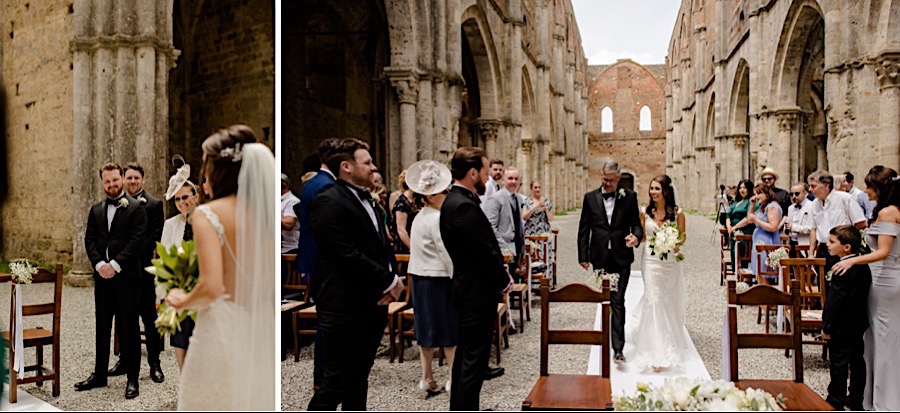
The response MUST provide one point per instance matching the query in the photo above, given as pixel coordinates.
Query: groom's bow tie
(113, 202)
(608, 195)
(363, 193)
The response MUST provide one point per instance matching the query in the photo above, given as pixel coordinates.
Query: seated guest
(436, 321)
(845, 319)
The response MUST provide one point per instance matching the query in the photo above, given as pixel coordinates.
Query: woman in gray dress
(883, 338)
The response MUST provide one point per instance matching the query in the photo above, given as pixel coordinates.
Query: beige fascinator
(181, 176)
(428, 177)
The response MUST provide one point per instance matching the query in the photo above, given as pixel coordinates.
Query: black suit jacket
(354, 256)
(124, 239)
(595, 233)
(155, 221)
(846, 304)
(478, 272)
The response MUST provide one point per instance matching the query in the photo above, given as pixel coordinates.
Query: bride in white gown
(659, 332)
(231, 365)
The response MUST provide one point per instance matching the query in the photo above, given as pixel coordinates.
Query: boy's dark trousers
(846, 353)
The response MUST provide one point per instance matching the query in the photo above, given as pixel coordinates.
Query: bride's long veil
(254, 375)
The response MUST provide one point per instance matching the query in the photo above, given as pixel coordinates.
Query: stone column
(786, 156)
(821, 155)
(526, 162)
(425, 120)
(489, 130)
(120, 63)
(888, 73)
(405, 81)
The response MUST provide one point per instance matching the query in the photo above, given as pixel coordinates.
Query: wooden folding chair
(292, 285)
(743, 247)
(810, 272)
(552, 267)
(796, 395)
(400, 312)
(303, 318)
(521, 292)
(763, 275)
(726, 267)
(572, 391)
(37, 337)
(501, 326)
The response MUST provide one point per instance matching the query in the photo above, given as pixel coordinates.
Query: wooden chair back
(743, 245)
(810, 273)
(764, 295)
(575, 293)
(402, 271)
(293, 279)
(41, 339)
(763, 270)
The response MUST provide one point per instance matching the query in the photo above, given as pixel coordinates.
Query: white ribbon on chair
(726, 347)
(18, 365)
(780, 313)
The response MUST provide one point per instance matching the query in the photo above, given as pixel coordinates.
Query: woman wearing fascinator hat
(177, 229)
(431, 269)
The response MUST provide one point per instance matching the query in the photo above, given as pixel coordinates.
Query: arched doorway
(478, 123)
(740, 119)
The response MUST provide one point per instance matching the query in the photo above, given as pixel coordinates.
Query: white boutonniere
(123, 202)
(142, 199)
(621, 193)
(829, 275)
(375, 198)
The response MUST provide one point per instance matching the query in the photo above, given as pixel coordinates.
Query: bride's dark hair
(221, 158)
(668, 196)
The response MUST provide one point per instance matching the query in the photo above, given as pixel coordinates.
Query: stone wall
(796, 85)
(37, 82)
(626, 87)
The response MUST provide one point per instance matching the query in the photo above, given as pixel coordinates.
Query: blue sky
(617, 29)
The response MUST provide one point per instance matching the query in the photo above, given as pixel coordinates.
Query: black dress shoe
(156, 373)
(131, 389)
(619, 357)
(117, 370)
(512, 330)
(92, 382)
(494, 373)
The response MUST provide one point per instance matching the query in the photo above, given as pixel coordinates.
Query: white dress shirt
(290, 238)
(840, 208)
(110, 214)
(609, 204)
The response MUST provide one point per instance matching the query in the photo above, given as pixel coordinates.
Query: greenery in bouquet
(22, 271)
(775, 257)
(176, 267)
(600, 274)
(665, 240)
(689, 394)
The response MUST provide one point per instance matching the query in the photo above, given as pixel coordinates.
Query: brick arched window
(606, 120)
(646, 120)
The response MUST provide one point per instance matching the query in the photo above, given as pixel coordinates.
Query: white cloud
(636, 29)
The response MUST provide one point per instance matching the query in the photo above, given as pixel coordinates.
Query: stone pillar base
(79, 279)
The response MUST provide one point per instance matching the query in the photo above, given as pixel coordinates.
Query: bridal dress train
(231, 361)
(659, 334)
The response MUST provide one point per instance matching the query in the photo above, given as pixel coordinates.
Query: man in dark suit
(845, 319)
(113, 240)
(308, 258)
(479, 276)
(134, 185)
(357, 278)
(609, 228)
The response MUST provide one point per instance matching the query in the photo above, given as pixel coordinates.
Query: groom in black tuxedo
(358, 280)
(113, 239)
(609, 229)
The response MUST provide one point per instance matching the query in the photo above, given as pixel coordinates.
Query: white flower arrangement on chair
(688, 394)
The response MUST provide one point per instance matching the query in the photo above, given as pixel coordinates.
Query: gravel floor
(77, 358)
(392, 385)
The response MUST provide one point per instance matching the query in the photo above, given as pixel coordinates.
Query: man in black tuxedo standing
(113, 239)
(479, 276)
(358, 281)
(134, 185)
(609, 229)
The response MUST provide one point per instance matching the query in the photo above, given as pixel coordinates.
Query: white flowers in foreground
(666, 240)
(600, 275)
(22, 271)
(688, 394)
(775, 257)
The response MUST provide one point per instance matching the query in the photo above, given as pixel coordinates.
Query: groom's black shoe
(117, 370)
(131, 389)
(494, 373)
(91, 383)
(619, 357)
(156, 373)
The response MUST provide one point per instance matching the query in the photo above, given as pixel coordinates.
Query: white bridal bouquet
(176, 267)
(689, 394)
(665, 240)
(22, 271)
(775, 257)
(600, 275)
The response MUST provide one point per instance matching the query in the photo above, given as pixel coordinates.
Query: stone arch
(801, 22)
(403, 35)
(710, 120)
(740, 100)
(528, 108)
(477, 33)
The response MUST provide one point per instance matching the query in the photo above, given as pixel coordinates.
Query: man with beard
(479, 276)
(495, 176)
(134, 185)
(113, 239)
